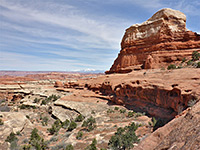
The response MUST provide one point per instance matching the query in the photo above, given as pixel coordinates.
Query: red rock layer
(161, 40)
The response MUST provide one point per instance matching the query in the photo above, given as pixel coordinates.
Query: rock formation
(160, 93)
(157, 42)
(180, 133)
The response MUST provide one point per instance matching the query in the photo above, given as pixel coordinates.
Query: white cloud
(95, 31)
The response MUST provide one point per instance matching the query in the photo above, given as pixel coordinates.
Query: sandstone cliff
(160, 93)
(157, 42)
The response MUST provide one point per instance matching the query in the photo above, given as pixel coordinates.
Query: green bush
(189, 62)
(124, 138)
(79, 118)
(1, 122)
(65, 124)
(198, 65)
(89, 124)
(26, 147)
(45, 121)
(72, 126)
(153, 122)
(110, 111)
(171, 66)
(122, 111)
(138, 114)
(116, 108)
(36, 100)
(26, 107)
(69, 147)
(131, 114)
(14, 145)
(92, 146)
(12, 137)
(55, 127)
(79, 135)
(49, 99)
(195, 56)
(36, 141)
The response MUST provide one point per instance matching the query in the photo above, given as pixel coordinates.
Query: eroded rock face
(161, 93)
(155, 43)
(180, 133)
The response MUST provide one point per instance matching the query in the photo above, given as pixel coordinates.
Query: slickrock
(157, 42)
(180, 133)
(13, 122)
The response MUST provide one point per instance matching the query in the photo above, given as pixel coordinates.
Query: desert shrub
(171, 66)
(131, 114)
(183, 60)
(36, 141)
(44, 102)
(124, 138)
(189, 62)
(138, 114)
(198, 65)
(45, 121)
(153, 122)
(14, 145)
(36, 100)
(79, 118)
(65, 124)
(116, 108)
(26, 107)
(51, 98)
(1, 122)
(72, 126)
(53, 139)
(18, 133)
(12, 137)
(69, 147)
(89, 124)
(195, 56)
(55, 127)
(79, 135)
(26, 147)
(110, 111)
(122, 111)
(92, 146)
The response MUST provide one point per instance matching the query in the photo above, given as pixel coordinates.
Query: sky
(74, 35)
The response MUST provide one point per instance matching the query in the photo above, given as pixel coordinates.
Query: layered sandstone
(157, 42)
(160, 93)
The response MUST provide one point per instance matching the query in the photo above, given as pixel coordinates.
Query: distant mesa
(161, 40)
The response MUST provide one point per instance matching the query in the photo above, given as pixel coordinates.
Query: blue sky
(72, 35)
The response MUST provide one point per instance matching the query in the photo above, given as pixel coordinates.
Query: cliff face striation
(157, 42)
